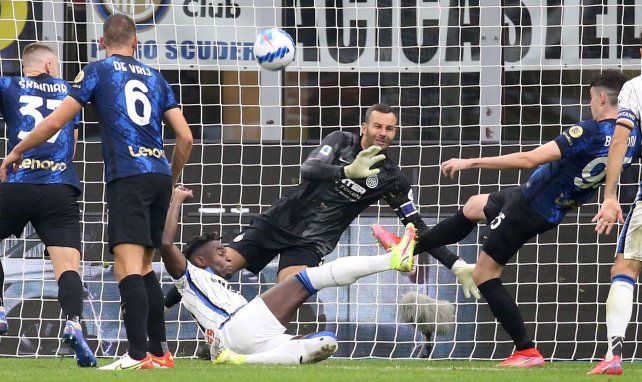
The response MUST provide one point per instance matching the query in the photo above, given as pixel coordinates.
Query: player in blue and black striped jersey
(43, 187)
(573, 166)
(131, 100)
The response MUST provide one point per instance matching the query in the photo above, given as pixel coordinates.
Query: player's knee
(474, 207)
(623, 266)
(289, 272)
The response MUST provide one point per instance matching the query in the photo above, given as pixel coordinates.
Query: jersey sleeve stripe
(201, 296)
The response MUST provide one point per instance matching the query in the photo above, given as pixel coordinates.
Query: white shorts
(630, 242)
(253, 329)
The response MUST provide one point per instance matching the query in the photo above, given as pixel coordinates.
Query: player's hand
(182, 194)
(361, 167)
(451, 167)
(464, 273)
(12, 159)
(610, 213)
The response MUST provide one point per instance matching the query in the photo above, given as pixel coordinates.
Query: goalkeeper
(257, 329)
(572, 168)
(340, 179)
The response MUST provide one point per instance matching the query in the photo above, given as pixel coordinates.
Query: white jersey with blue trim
(208, 296)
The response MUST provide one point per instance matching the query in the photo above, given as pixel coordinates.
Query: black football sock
(172, 297)
(447, 231)
(156, 318)
(135, 308)
(70, 295)
(443, 255)
(1, 284)
(506, 312)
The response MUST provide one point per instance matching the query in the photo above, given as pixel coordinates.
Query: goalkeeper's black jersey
(325, 203)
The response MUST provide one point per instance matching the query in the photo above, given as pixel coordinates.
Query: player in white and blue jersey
(131, 100)
(628, 259)
(43, 188)
(572, 167)
(254, 332)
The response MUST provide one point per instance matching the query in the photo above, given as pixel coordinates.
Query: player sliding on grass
(572, 168)
(254, 332)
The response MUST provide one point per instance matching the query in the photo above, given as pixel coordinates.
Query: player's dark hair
(381, 108)
(611, 82)
(35, 47)
(197, 242)
(119, 29)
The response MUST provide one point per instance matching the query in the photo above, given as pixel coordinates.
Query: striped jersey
(208, 297)
(559, 186)
(130, 99)
(24, 102)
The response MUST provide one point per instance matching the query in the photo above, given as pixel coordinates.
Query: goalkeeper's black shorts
(512, 222)
(261, 242)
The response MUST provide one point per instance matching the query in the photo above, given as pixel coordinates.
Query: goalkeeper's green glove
(464, 273)
(361, 166)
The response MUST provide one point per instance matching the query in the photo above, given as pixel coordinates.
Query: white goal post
(469, 78)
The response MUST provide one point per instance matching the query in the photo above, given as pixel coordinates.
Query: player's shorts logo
(497, 221)
(575, 131)
(238, 238)
(372, 181)
(145, 13)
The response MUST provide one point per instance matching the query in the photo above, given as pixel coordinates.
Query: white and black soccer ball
(274, 49)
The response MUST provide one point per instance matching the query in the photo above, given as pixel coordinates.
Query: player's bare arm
(43, 131)
(521, 160)
(611, 211)
(173, 259)
(184, 141)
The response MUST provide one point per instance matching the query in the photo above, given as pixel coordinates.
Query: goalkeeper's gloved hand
(464, 273)
(361, 167)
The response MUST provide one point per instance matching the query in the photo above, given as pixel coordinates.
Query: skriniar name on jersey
(559, 186)
(130, 98)
(25, 101)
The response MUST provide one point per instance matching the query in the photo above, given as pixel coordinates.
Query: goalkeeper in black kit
(340, 178)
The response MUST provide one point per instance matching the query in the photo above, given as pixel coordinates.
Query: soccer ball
(274, 49)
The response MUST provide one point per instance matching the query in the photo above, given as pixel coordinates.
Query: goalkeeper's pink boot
(385, 238)
(612, 367)
(524, 359)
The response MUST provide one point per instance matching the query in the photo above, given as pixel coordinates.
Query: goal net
(469, 78)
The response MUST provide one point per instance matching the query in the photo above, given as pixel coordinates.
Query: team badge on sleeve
(79, 77)
(575, 131)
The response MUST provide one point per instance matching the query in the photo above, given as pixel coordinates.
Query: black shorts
(52, 209)
(137, 209)
(512, 223)
(261, 242)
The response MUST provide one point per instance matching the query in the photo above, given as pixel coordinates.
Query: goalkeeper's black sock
(156, 317)
(506, 312)
(135, 308)
(447, 231)
(70, 295)
(1, 284)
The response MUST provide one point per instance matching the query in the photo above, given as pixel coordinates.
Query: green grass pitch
(64, 369)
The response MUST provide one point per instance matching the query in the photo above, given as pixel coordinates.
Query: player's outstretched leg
(72, 336)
